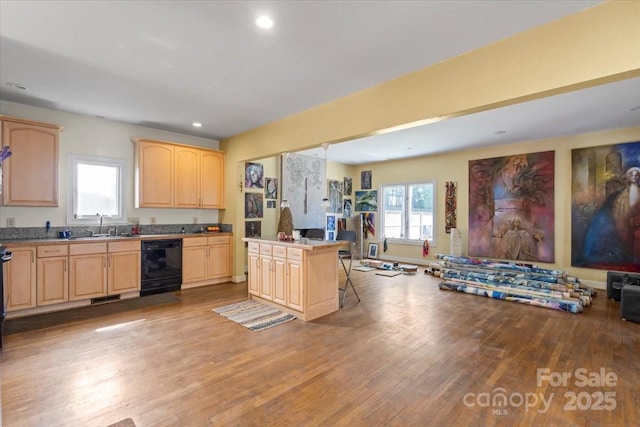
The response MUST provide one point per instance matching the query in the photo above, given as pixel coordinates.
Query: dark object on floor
(630, 303)
(617, 279)
(40, 321)
(127, 422)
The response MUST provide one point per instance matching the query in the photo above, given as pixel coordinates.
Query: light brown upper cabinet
(30, 175)
(173, 175)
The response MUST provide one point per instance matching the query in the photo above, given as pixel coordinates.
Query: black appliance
(161, 266)
(5, 256)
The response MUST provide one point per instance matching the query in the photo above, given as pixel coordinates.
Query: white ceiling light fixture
(325, 201)
(264, 22)
(197, 124)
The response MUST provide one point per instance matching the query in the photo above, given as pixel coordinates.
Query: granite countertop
(92, 239)
(303, 243)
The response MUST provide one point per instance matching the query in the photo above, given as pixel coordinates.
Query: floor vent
(102, 300)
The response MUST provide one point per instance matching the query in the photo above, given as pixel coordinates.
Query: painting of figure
(511, 202)
(253, 203)
(605, 207)
(253, 175)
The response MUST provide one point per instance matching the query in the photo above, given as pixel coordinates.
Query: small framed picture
(373, 251)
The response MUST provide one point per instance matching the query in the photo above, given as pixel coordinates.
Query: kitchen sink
(103, 237)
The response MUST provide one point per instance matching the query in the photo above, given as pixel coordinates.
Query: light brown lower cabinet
(52, 274)
(206, 259)
(20, 278)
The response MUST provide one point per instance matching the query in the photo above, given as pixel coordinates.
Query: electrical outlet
(195, 219)
(11, 222)
(153, 220)
(133, 220)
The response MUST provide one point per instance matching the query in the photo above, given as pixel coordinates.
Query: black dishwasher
(161, 266)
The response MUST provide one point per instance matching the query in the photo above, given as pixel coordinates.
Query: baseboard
(239, 279)
(594, 284)
(404, 260)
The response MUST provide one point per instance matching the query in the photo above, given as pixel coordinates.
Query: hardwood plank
(408, 354)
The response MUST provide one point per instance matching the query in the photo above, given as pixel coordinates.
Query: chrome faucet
(101, 219)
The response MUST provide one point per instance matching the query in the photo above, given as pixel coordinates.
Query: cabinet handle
(65, 265)
(33, 256)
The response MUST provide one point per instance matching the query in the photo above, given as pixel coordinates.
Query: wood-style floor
(409, 354)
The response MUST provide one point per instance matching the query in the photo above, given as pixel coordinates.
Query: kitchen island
(299, 277)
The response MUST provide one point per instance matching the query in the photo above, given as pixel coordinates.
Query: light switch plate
(11, 222)
(153, 220)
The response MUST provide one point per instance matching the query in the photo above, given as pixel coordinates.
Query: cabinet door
(254, 274)
(218, 261)
(186, 178)
(124, 272)
(194, 264)
(155, 175)
(20, 279)
(52, 280)
(30, 175)
(295, 296)
(266, 277)
(279, 280)
(212, 184)
(87, 276)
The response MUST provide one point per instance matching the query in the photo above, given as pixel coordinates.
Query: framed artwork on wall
(605, 207)
(367, 200)
(253, 175)
(271, 188)
(365, 180)
(253, 229)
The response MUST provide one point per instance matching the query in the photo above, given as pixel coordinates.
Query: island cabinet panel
(299, 278)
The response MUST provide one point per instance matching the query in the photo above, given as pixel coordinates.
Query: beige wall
(592, 47)
(91, 136)
(455, 167)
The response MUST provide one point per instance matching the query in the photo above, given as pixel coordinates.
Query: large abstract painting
(304, 186)
(605, 207)
(511, 201)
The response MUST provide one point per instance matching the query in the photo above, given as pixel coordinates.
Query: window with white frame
(95, 189)
(408, 212)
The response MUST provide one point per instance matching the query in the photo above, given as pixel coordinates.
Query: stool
(630, 303)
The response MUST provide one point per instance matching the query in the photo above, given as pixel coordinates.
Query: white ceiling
(165, 64)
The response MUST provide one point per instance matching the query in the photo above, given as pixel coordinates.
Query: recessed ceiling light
(197, 124)
(264, 22)
(500, 132)
(409, 148)
(17, 86)
(636, 108)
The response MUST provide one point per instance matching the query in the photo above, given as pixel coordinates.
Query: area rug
(387, 273)
(254, 315)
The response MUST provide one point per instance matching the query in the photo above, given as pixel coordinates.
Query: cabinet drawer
(266, 249)
(218, 240)
(280, 251)
(130, 245)
(254, 248)
(87, 248)
(294, 253)
(52, 250)
(194, 241)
